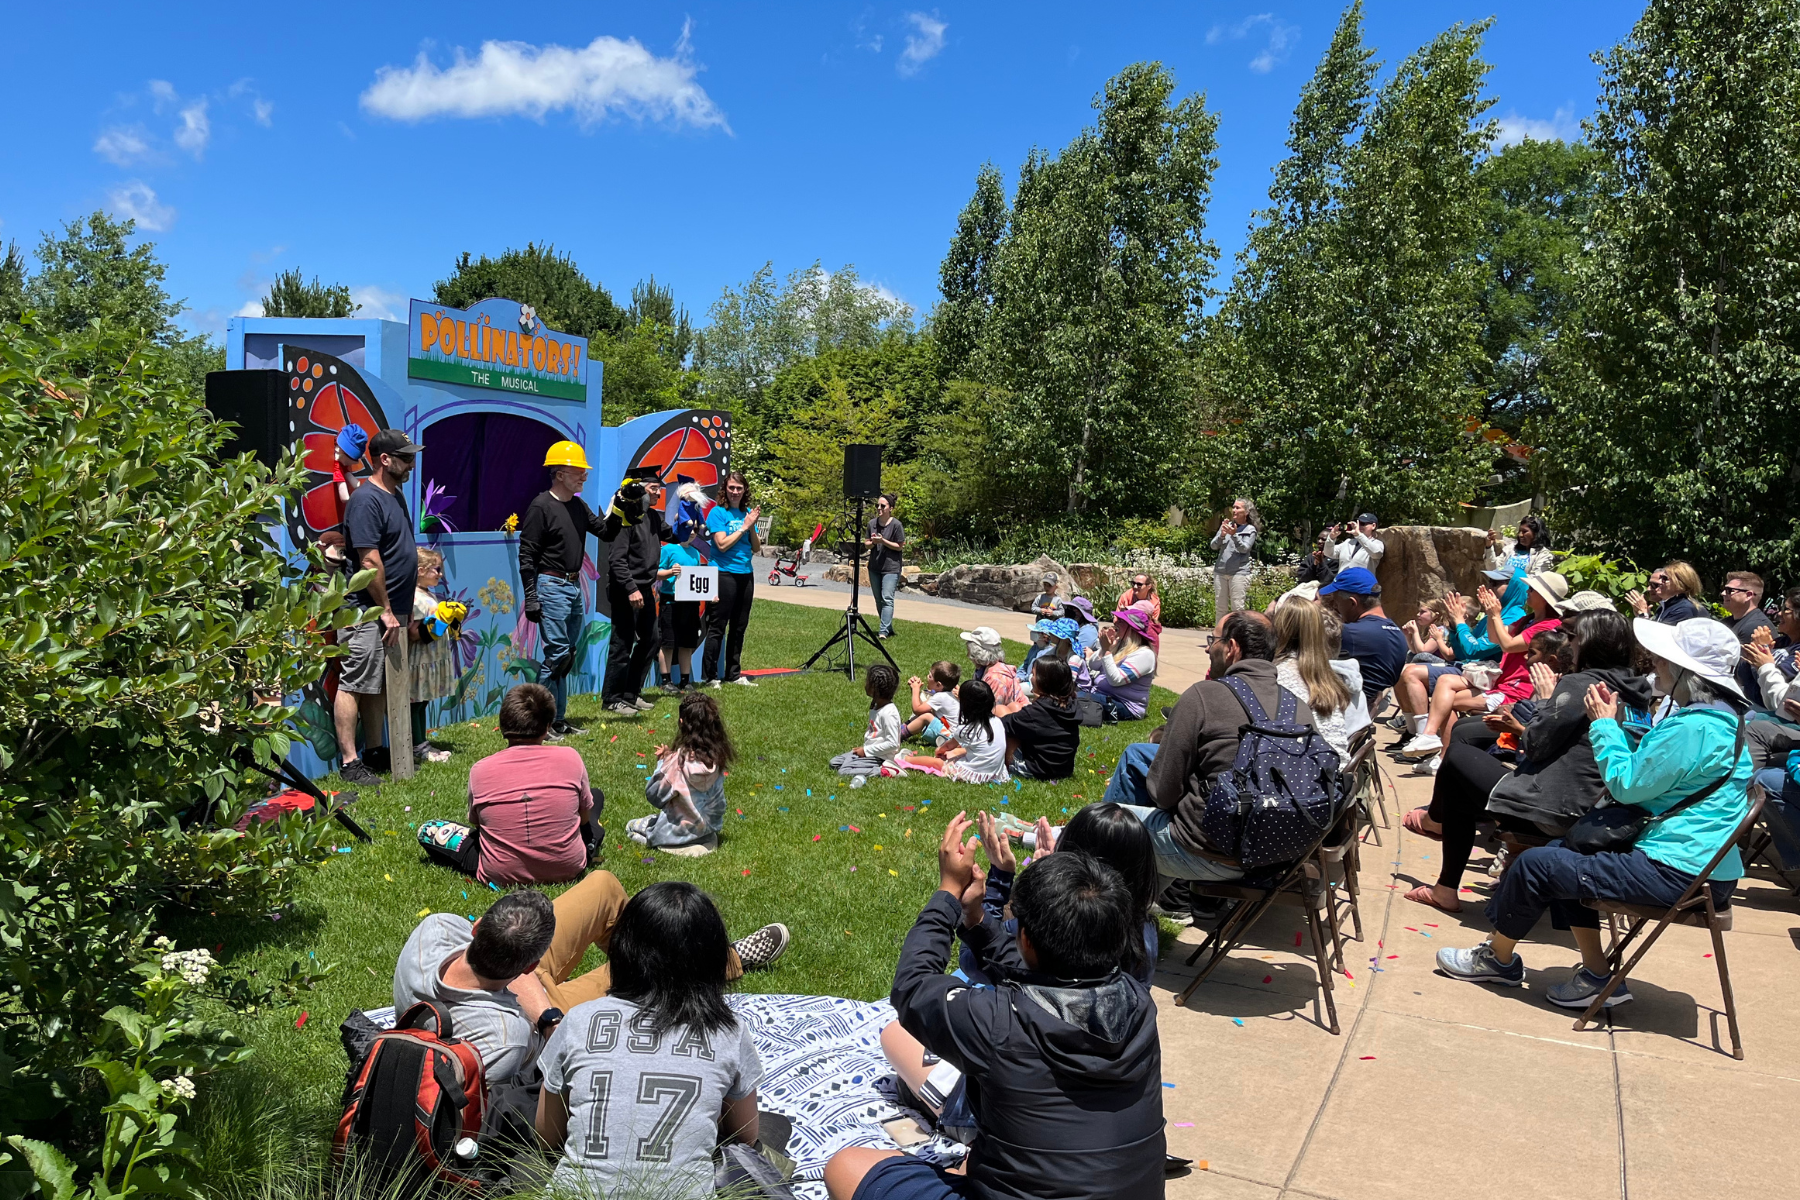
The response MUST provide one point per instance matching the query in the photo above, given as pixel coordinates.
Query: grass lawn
(846, 870)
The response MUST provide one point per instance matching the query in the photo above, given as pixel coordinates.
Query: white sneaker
(716, 685)
(1423, 746)
(1429, 766)
(746, 681)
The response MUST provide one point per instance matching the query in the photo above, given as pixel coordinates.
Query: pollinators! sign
(497, 344)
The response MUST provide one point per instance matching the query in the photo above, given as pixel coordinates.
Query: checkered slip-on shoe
(763, 947)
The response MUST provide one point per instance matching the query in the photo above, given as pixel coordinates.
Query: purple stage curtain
(493, 463)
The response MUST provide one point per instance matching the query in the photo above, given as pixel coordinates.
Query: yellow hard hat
(566, 454)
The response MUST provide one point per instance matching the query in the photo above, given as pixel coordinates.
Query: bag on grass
(417, 1095)
(1283, 790)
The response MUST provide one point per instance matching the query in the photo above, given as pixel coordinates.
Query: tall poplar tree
(966, 276)
(1344, 370)
(1675, 432)
(1097, 294)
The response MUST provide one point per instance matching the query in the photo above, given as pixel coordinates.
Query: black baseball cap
(391, 441)
(1367, 519)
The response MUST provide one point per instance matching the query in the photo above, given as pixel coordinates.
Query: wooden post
(399, 709)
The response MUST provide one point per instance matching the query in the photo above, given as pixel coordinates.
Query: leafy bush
(1612, 578)
(148, 634)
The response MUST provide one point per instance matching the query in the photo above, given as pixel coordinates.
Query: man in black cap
(1359, 546)
(379, 530)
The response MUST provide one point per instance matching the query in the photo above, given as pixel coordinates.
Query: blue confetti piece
(778, 787)
(808, 792)
(784, 770)
(1017, 784)
(1168, 1085)
(833, 796)
(465, 895)
(343, 849)
(1424, 935)
(494, 886)
(843, 829)
(310, 954)
(1005, 800)
(781, 810)
(642, 767)
(1237, 1020)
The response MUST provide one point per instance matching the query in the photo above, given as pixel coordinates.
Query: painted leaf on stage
(326, 394)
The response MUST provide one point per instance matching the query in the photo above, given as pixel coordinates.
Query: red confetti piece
(1296, 937)
(1268, 979)
(746, 870)
(1368, 1058)
(612, 739)
(1706, 956)
(817, 836)
(854, 829)
(1348, 975)
(1429, 924)
(1392, 957)
(740, 812)
(301, 1023)
(1409, 929)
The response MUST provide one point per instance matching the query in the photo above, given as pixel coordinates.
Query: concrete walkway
(1439, 1088)
(1180, 663)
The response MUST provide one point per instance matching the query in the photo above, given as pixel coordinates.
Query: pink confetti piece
(1348, 975)
(1184, 1124)
(854, 829)
(817, 836)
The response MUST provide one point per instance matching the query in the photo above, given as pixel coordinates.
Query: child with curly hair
(687, 784)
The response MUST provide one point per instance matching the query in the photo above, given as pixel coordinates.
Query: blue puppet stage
(485, 391)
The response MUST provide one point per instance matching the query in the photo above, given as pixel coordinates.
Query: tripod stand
(855, 624)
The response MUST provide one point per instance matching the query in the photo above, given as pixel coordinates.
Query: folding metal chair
(1364, 770)
(1694, 908)
(1303, 883)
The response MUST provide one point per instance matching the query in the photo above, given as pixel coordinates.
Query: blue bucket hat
(353, 440)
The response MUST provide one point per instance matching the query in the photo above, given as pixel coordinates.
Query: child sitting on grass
(975, 752)
(881, 742)
(936, 712)
(687, 784)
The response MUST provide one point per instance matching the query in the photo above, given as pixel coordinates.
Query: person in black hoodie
(631, 599)
(1557, 779)
(1062, 1059)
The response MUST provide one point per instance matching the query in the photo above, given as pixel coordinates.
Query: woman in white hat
(1694, 750)
(989, 657)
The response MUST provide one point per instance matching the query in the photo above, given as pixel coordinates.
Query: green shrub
(1612, 578)
(148, 633)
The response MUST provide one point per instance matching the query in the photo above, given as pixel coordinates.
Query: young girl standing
(432, 661)
(687, 784)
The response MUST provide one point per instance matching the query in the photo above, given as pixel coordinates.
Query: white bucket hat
(982, 635)
(1588, 601)
(1551, 586)
(1702, 645)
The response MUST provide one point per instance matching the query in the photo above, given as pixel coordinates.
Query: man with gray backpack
(1206, 823)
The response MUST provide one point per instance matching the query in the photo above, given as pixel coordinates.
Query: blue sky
(370, 144)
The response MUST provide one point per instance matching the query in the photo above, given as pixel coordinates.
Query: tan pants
(585, 916)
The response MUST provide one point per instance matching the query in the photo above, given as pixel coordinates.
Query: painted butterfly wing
(327, 394)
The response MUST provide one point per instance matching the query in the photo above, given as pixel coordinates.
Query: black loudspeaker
(256, 401)
(862, 471)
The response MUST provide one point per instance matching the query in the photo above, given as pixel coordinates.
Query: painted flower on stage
(432, 509)
(527, 318)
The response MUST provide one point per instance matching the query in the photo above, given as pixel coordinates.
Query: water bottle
(859, 781)
(466, 1151)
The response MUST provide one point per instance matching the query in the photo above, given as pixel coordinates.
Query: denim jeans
(1173, 862)
(558, 632)
(886, 584)
(1129, 783)
(1782, 813)
(1557, 878)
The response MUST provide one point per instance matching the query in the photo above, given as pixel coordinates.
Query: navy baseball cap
(1358, 581)
(1367, 519)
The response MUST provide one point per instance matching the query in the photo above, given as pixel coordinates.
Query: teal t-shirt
(674, 555)
(736, 560)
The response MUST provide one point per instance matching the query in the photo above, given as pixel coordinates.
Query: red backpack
(417, 1094)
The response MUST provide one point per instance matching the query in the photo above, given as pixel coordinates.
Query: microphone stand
(855, 624)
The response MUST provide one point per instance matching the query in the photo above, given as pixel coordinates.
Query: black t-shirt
(1379, 647)
(883, 561)
(1749, 623)
(375, 519)
(1048, 735)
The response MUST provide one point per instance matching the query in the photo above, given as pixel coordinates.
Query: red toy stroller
(791, 566)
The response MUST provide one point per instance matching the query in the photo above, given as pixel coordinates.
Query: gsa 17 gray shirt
(643, 1107)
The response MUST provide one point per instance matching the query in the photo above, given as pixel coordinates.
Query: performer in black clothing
(631, 595)
(550, 542)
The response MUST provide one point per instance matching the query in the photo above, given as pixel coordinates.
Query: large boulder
(1091, 578)
(1011, 586)
(840, 573)
(1422, 562)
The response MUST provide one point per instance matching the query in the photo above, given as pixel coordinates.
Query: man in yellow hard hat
(550, 551)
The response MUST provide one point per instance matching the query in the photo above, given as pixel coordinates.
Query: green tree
(965, 278)
(12, 283)
(292, 296)
(539, 276)
(806, 459)
(642, 373)
(1674, 431)
(1097, 294)
(651, 301)
(1537, 199)
(92, 273)
(1344, 362)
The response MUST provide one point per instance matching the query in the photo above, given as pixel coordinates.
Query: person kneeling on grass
(975, 752)
(532, 811)
(687, 784)
(642, 1083)
(1063, 1059)
(1694, 753)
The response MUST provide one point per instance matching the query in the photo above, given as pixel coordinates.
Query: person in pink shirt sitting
(532, 811)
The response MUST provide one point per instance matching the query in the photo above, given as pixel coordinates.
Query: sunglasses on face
(1140, 583)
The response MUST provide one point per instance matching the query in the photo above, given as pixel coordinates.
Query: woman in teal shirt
(1697, 739)
(731, 528)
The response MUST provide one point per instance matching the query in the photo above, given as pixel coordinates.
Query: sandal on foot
(1422, 895)
(1413, 819)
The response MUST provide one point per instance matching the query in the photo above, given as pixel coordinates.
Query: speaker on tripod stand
(862, 482)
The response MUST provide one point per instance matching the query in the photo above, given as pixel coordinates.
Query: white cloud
(607, 76)
(195, 129)
(250, 308)
(925, 43)
(1562, 126)
(122, 145)
(1281, 38)
(261, 110)
(162, 94)
(379, 303)
(136, 202)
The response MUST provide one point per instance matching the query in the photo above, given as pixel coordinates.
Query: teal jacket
(1681, 754)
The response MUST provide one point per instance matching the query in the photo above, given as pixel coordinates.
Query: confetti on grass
(424, 912)
(301, 1023)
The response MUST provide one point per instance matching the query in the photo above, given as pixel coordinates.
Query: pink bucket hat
(1140, 621)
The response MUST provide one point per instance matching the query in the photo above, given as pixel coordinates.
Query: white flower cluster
(191, 965)
(181, 1087)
